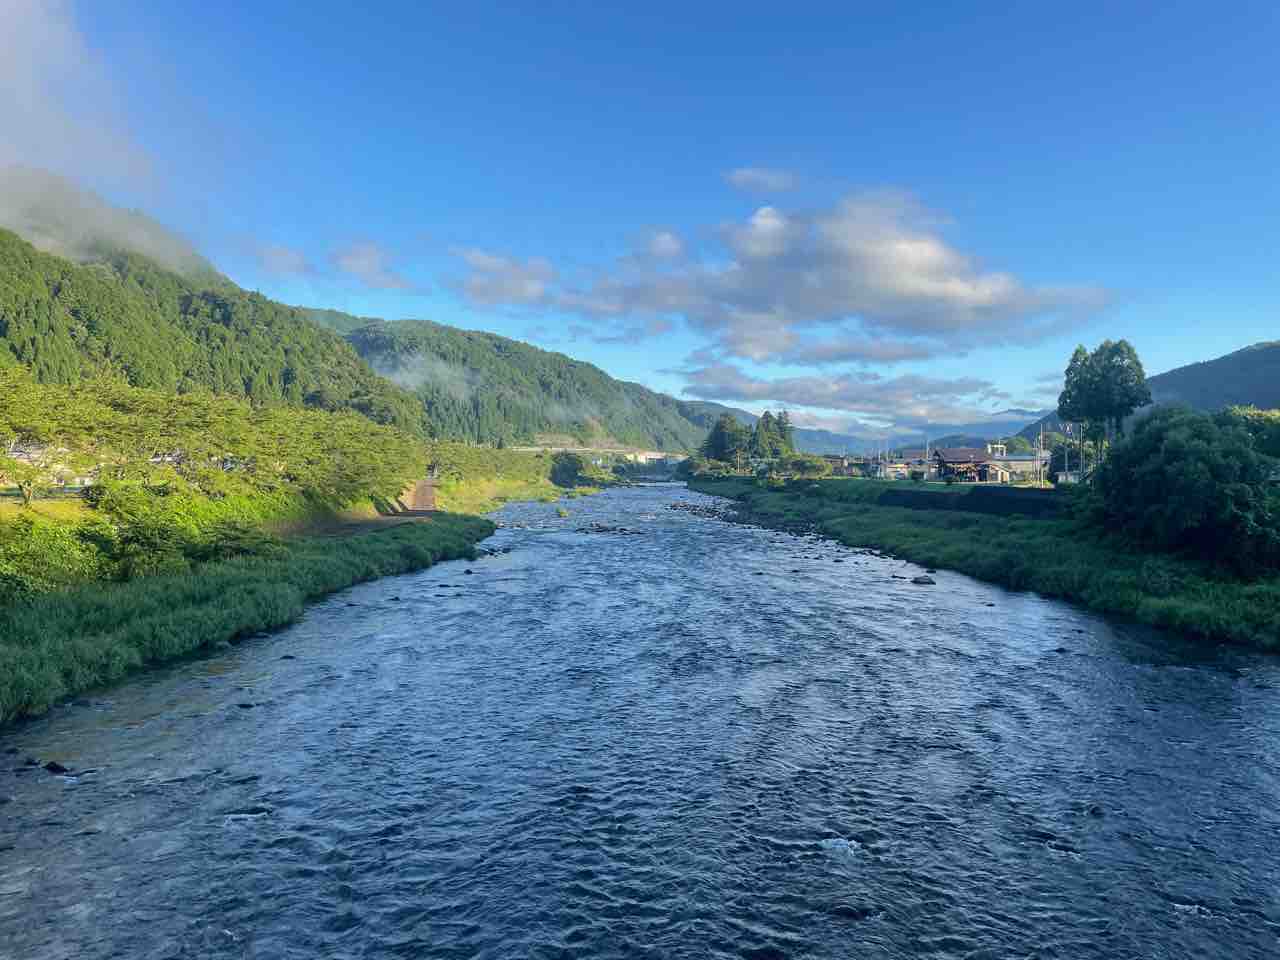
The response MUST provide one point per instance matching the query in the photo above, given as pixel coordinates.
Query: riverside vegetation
(193, 528)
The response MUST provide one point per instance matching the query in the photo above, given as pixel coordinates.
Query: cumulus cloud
(281, 260)
(370, 263)
(497, 279)
(854, 349)
(870, 279)
(58, 107)
(665, 245)
(761, 179)
(904, 401)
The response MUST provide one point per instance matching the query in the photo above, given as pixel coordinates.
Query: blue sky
(875, 214)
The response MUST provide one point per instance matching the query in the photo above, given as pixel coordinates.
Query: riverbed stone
(924, 580)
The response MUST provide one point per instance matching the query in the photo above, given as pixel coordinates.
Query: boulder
(924, 580)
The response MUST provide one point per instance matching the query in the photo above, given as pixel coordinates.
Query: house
(841, 464)
(892, 470)
(966, 464)
(1023, 467)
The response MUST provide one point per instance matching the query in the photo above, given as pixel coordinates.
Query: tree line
(767, 448)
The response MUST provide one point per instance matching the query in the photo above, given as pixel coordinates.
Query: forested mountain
(490, 389)
(1246, 377)
(125, 315)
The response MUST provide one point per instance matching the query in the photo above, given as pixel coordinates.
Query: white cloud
(371, 264)
(857, 349)
(761, 179)
(281, 260)
(870, 279)
(665, 245)
(903, 402)
(497, 279)
(58, 107)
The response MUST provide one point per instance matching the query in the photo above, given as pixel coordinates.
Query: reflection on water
(704, 740)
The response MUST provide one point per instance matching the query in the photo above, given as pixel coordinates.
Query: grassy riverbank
(59, 644)
(1055, 557)
(133, 575)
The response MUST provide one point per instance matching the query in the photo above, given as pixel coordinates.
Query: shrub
(566, 468)
(1185, 481)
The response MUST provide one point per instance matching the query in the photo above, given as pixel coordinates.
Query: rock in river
(924, 580)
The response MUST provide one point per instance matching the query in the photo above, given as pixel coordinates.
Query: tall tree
(727, 440)
(1103, 387)
(786, 432)
(1121, 381)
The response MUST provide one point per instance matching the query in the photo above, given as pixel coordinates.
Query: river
(699, 740)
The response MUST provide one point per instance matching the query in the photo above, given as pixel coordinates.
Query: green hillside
(490, 389)
(125, 315)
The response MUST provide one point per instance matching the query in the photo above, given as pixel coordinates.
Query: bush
(566, 468)
(38, 555)
(1185, 481)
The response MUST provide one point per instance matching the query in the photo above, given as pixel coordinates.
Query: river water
(700, 740)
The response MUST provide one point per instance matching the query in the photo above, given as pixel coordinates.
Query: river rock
(53, 766)
(924, 580)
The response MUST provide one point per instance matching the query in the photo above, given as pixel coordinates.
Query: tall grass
(1057, 558)
(62, 643)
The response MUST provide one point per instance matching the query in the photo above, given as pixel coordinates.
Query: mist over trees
(490, 389)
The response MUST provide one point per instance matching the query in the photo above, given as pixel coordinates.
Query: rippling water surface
(703, 740)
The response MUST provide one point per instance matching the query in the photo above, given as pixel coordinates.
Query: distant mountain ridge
(1246, 377)
(1002, 423)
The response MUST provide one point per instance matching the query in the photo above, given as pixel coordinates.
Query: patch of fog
(418, 370)
(56, 216)
(461, 383)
